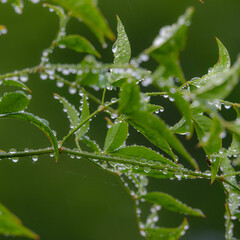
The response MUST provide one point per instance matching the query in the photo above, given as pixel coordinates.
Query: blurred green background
(74, 199)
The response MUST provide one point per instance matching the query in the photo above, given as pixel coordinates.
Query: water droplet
(72, 90)
(35, 158)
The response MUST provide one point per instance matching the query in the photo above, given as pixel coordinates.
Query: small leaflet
(116, 136)
(121, 48)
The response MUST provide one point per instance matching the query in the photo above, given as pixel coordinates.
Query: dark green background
(73, 199)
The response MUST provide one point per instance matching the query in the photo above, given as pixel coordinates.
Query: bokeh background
(74, 199)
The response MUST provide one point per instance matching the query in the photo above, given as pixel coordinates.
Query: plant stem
(109, 158)
(101, 108)
(156, 93)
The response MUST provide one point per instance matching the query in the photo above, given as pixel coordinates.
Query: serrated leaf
(207, 130)
(142, 153)
(116, 136)
(121, 48)
(130, 98)
(89, 14)
(71, 110)
(10, 225)
(38, 122)
(166, 233)
(15, 83)
(13, 102)
(221, 84)
(156, 131)
(168, 202)
(222, 65)
(78, 44)
(84, 115)
(90, 144)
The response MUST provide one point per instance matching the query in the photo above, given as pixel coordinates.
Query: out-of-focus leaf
(116, 136)
(170, 203)
(38, 122)
(78, 44)
(207, 130)
(14, 83)
(121, 48)
(167, 233)
(143, 154)
(215, 133)
(58, 10)
(222, 65)
(84, 114)
(167, 45)
(10, 225)
(13, 102)
(90, 144)
(87, 11)
(70, 109)
(221, 84)
(180, 127)
(232, 201)
(154, 108)
(155, 130)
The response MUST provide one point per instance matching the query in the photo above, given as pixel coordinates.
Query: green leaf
(180, 127)
(156, 131)
(221, 84)
(232, 201)
(208, 132)
(171, 204)
(130, 98)
(215, 133)
(142, 153)
(166, 233)
(58, 10)
(168, 44)
(84, 115)
(116, 136)
(78, 44)
(90, 144)
(89, 14)
(222, 65)
(15, 83)
(167, 84)
(38, 122)
(71, 110)
(12, 226)
(121, 48)
(13, 102)
(154, 108)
